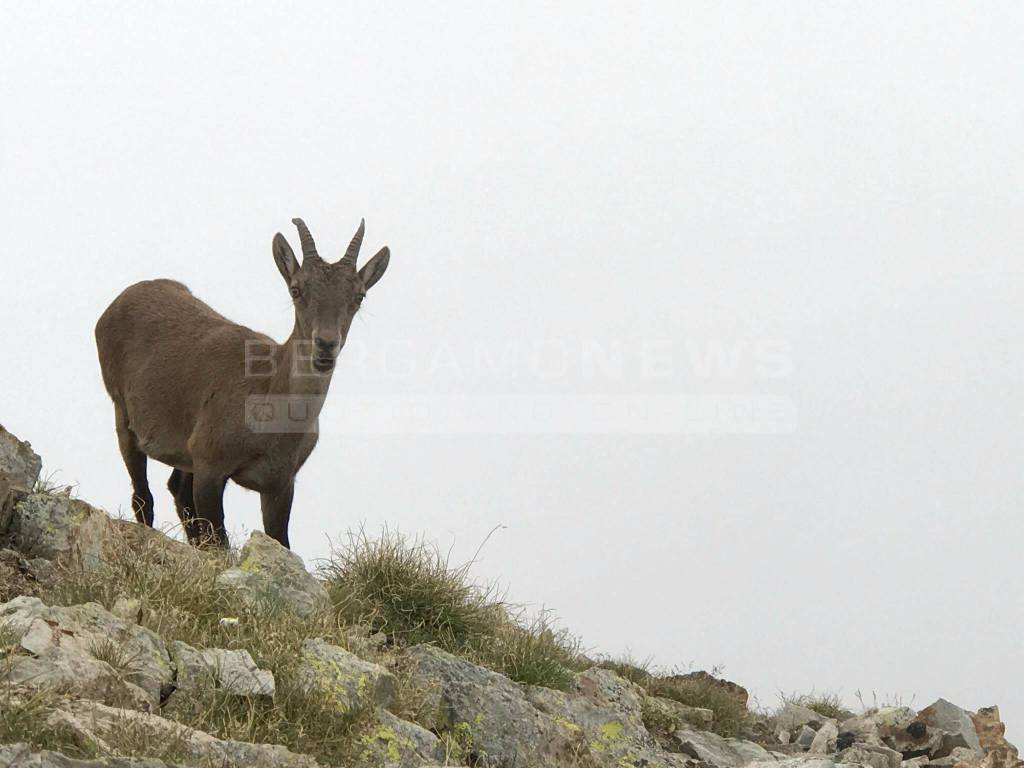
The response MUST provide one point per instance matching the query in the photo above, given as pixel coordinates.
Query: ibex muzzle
(182, 381)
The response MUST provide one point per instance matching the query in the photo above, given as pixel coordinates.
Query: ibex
(184, 380)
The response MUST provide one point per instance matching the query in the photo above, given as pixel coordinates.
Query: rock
(397, 743)
(88, 651)
(128, 608)
(792, 717)
(53, 525)
(720, 751)
(825, 739)
(958, 756)
(663, 717)
(873, 755)
(490, 715)
(991, 730)
(22, 756)
(18, 462)
(231, 671)
(955, 724)
(806, 736)
(895, 727)
(609, 712)
(704, 678)
(346, 679)
(21, 576)
(267, 570)
(105, 727)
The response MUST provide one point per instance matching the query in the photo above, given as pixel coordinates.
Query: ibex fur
(185, 380)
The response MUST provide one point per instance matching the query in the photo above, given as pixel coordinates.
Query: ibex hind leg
(135, 461)
(180, 486)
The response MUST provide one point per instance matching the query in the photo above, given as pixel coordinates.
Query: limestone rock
(267, 570)
(490, 714)
(54, 525)
(609, 712)
(792, 717)
(825, 739)
(873, 755)
(231, 671)
(955, 724)
(663, 717)
(348, 680)
(22, 756)
(720, 751)
(18, 462)
(88, 651)
(128, 608)
(396, 743)
(95, 724)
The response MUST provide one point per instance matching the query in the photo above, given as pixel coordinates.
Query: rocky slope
(112, 684)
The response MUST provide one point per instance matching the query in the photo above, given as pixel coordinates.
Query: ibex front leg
(208, 491)
(277, 508)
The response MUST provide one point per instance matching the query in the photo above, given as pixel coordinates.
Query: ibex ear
(374, 268)
(284, 257)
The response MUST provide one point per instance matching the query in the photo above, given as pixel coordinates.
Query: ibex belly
(275, 466)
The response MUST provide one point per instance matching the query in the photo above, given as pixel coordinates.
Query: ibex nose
(327, 345)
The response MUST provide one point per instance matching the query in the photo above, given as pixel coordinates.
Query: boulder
(805, 737)
(19, 464)
(721, 751)
(954, 723)
(609, 713)
(489, 715)
(873, 755)
(54, 525)
(268, 571)
(792, 717)
(87, 651)
(23, 756)
(346, 679)
(991, 730)
(231, 671)
(94, 725)
(825, 739)
(395, 743)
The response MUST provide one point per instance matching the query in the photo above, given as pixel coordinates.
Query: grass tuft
(828, 704)
(731, 714)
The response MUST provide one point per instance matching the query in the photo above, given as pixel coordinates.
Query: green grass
(731, 714)
(23, 720)
(412, 593)
(828, 704)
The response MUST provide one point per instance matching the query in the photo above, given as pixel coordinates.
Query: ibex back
(185, 380)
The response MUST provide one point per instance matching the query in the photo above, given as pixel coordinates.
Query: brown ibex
(185, 381)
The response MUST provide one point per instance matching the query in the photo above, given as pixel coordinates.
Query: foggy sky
(597, 218)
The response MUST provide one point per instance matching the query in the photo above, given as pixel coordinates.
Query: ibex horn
(352, 253)
(308, 246)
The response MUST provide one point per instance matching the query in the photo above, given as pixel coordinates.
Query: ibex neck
(295, 372)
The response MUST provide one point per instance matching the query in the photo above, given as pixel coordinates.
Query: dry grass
(731, 714)
(828, 704)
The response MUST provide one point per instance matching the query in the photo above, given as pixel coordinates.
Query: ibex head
(326, 296)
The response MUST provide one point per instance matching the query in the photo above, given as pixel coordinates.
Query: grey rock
(721, 751)
(397, 743)
(957, 755)
(18, 461)
(806, 736)
(268, 571)
(231, 671)
(609, 712)
(792, 717)
(22, 756)
(87, 651)
(490, 713)
(873, 755)
(956, 727)
(102, 726)
(346, 679)
(825, 739)
(128, 608)
(54, 525)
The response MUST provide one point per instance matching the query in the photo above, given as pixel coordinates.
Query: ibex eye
(295, 292)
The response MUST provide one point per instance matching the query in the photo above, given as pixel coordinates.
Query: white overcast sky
(598, 218)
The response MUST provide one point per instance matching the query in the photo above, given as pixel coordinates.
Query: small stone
(128, 608)
(232, 671)
(18, 462)
(825, 739)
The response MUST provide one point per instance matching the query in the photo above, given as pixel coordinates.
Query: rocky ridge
(114, 686)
